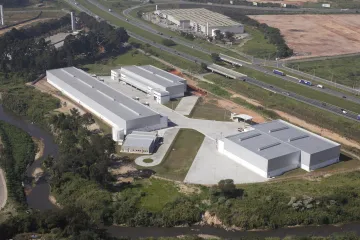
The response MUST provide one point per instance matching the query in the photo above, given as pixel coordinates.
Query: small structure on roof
(140, 142)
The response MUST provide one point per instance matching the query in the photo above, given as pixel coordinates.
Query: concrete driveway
(209, 167)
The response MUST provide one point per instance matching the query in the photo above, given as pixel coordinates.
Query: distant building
(162, 85)
(201, 20)
(272, 148)
(120, 111)
(140, 142)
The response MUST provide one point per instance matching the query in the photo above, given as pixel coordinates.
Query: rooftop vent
(297, 138)
(268, 146)
(277, 129)
(249, 136)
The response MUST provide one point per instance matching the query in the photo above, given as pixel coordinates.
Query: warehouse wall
(235, 29)
(281, 164)
(176, 91)
(149, 123)
(321, 159)
(244, 157)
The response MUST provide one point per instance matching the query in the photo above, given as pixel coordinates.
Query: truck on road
(320, 86)
(305, 82)
(275, 71)
(358, 117)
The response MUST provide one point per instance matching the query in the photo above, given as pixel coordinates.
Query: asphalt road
(136, 23)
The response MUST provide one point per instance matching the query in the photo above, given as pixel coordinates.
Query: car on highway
(110, 10)
(271, 86)
(344, 96)
(343, 111)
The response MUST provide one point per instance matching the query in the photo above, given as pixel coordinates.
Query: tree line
(14, 3)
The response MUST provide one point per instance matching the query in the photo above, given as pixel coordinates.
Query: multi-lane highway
(136, 23)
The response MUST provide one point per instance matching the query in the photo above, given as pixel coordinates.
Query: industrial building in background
(2, 15)
(121, 112)
(201, 20)
(272, 148)
(161, 85)
(140, 142)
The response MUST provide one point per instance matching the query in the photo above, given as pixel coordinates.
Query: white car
(343, 111)
(110, 10)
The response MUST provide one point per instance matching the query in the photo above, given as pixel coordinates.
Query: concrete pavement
(209, 167)
(3, 190)
(186, 105)
(168, 137)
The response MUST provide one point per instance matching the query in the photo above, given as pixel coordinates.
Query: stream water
(38, 198)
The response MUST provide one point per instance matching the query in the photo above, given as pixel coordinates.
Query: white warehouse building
(201, 20)
(121, 112)
(270, 149)
(162, 85)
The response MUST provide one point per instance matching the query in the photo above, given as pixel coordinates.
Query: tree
(168, 42)
(203, 66)
(227, 187)
(229, 36)
(218, 35)
(215, 57)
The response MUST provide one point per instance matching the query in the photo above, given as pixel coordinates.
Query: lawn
(300, 89)
(345, 70)
(180, 155)
(132, 57)
(157, 194)
(210, 111)
(173, 103)
(258, 46)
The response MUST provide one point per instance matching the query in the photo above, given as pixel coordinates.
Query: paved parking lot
(209, 167)
(186, 105)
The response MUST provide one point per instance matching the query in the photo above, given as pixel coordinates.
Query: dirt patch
(211, 219)
(123, 169)
(23, 25)
(317, 35)
(40, 147)
(188, 189)
(52, 199)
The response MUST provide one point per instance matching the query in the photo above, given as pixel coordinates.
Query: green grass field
(345, 70)
(180, 156)
(299, 89)
(132, 57)
(157, 194)
(258, 46)
(209, 111)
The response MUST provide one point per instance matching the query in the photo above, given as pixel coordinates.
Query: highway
(319, 104)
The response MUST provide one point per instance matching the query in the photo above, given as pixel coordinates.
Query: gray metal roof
(151, 76)
(296, 136)
(201, 16)
(262, 144)
(140, 139)
(92, 90)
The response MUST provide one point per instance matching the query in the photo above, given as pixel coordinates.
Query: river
(39, 199)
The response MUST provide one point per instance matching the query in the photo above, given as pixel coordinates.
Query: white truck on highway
(320, 86)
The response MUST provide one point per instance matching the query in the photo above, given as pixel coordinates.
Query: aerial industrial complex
(201, 20)
(272, 148)
(162, 85)
(120, 111)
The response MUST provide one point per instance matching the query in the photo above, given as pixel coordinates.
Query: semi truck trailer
(278, 72)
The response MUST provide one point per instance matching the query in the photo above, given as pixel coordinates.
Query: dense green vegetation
(338, 124)
(344, 70)
(180, 155)
(18, 151)
(14, 3)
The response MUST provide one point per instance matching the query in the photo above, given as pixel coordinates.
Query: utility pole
(2, 15)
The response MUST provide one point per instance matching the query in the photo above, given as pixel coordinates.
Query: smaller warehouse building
(272, 148)
(201, 20)
(140, 142)
(162, 85)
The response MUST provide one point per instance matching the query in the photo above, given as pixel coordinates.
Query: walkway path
(186, 105)
(168, 137)
(3, 190)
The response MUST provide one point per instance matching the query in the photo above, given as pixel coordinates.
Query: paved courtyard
(209, 167)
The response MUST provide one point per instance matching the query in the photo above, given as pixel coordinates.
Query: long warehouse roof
(140, 139)
(155, 76)
(108, 98)
(201, 16)
(278, 137)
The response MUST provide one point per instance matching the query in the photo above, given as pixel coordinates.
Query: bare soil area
(317, 35)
